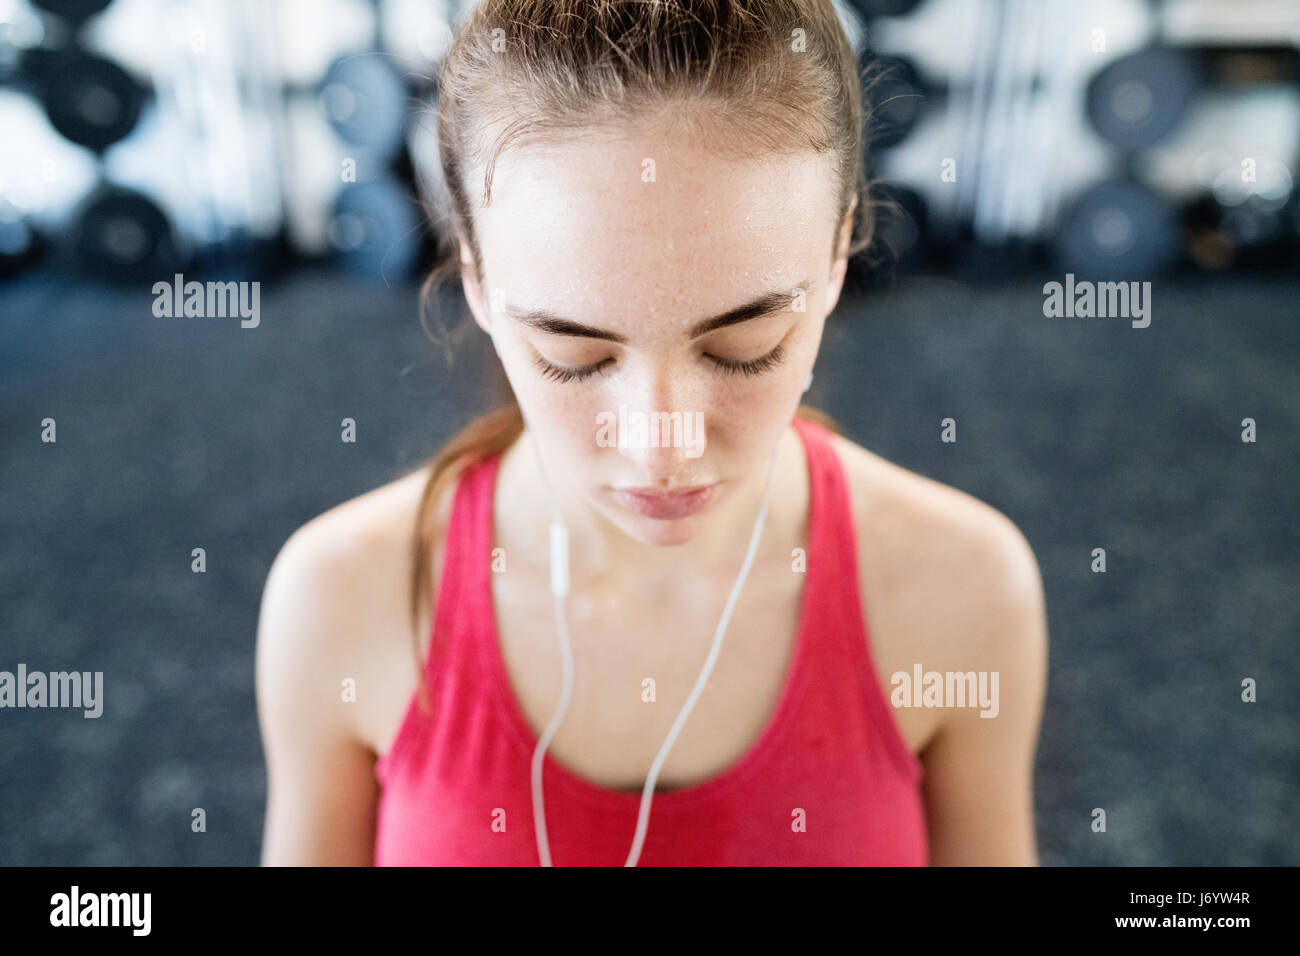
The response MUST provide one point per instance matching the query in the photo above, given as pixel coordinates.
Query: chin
(663, 533)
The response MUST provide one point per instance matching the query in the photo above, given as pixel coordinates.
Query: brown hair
(775, 75)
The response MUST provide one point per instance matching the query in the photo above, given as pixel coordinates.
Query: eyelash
(758, 366)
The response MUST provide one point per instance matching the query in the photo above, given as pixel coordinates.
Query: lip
(666, 505)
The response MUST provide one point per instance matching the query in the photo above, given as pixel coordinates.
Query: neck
(602, 554)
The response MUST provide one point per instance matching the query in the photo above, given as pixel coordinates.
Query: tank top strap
(832, 542)
(824, 748)
(466, 555)
(464, 596)
(454, 611)
(835, 587)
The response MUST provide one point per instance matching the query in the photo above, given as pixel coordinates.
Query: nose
(659, 429)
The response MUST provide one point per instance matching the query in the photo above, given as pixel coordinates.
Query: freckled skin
(946, 580)
(573, 229)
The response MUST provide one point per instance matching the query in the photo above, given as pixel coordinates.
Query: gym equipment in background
(364, 101)
(75, 11)
(20, 243)
(1139, 99)
(122, 234)
(374, 229)
(896, 98)
(1118, 230)
(998, 124)
(55, 172)
(90, 100)
(220, 136)
(1118, 134)
(900, 241)
(884, 8)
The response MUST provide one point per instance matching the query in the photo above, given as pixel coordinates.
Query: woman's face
(610, 268)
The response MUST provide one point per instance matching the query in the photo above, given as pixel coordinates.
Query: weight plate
(75, 10)
(1140, 99)
(123, 235)
(896, 99)
(1118, 230)
(91, 101)
(374, 229)
(365, 101)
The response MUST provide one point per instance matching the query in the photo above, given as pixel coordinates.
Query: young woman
(652, 207)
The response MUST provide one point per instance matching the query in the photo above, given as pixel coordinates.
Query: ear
(469, 282)
(840, 265)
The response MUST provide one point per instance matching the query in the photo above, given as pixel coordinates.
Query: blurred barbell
(1108, 133)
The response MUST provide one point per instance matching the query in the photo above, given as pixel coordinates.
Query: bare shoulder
(948, 573)
(950, 583)
(336, 596)
(356, 544)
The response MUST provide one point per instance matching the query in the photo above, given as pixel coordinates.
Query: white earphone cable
(643, 817)
(560, 589)
(559, 566)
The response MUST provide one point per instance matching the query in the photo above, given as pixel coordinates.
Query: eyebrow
(769, 303)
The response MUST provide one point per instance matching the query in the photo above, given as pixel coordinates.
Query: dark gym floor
(183, 433)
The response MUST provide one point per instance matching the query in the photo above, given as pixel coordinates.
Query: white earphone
(559, 564)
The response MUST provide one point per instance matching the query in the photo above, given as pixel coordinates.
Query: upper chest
(638, 654)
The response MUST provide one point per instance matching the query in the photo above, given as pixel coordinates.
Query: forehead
(613, 229)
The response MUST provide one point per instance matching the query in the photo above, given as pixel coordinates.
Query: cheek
(570, 422)
(739, 424)
(737, 405)
(743, 415)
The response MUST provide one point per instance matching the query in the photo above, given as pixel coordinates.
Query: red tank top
(829, 781)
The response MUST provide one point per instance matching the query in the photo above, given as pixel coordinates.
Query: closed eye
(563, 373)
(754, 366)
